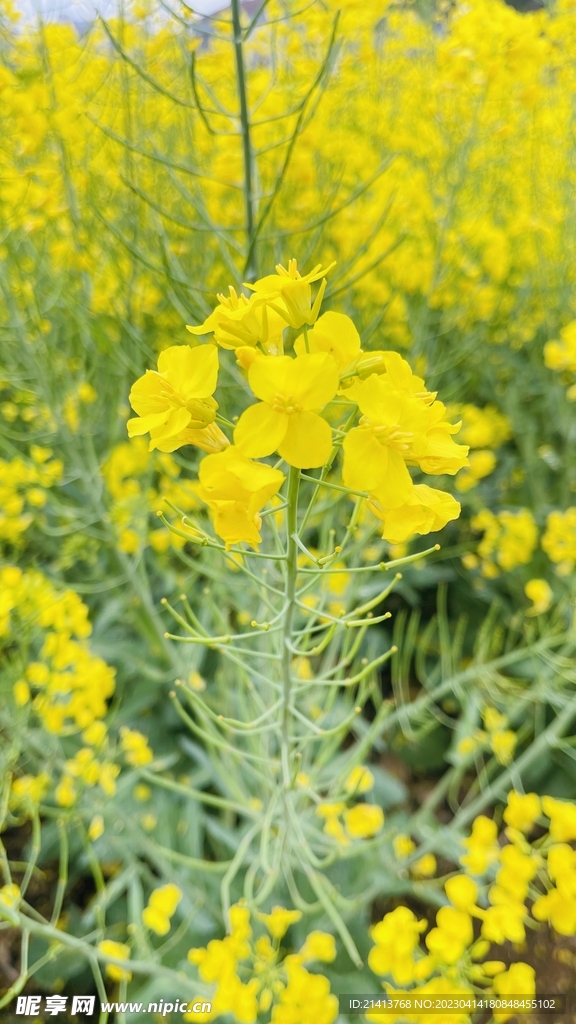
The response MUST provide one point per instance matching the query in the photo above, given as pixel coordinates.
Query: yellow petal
(136, 426)
(427, 510)
(313, 380)
(334, 333)
(260, 430)
(148, 394)
(364, 460)
(396, 485)
(268, 377)
(193, 372)
(209, 325)
(177, 421)
(308, 441)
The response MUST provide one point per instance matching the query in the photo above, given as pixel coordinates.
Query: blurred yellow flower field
(287, 511)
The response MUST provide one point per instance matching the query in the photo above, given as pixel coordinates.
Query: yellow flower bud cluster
(254, 975)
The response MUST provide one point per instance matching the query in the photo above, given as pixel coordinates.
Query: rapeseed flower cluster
(23, 491)
(255, 975)
(401, 424)
(559, 540)
(503, 876)
(509, 540)
(66, 684)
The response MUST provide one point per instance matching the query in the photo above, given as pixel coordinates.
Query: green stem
(291, 574)
(250, 268)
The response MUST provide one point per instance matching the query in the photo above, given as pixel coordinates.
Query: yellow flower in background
(162, 905)
(426, 511)
(174, 404)
(520, 978)
(481, 846)
(96, 828)
(333, 826)
(484, 428)
(239, 321)
(360, 780)
(279, 920)
(559, 540)
(396, 938)
(334, 333)
(425, 867)
(522, 810)
(562, 816)
(494, 719)
(482, 463)
(462, 892)
(451, 936)
(286, 420)
(122, 952)
(540, 593)
(509, 539)
(293, 289)
(319, 946)
(364, 821)
(503, 744)
(135, 747)
(403, 846)
(10, 895)
(561, 354)
(235, 490)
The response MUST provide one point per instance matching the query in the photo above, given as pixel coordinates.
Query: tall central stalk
(250, 268)
(291, 573)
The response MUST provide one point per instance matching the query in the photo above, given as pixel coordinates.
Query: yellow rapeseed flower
(426, 510)
(239, 321)
(334, 333)
(540, 593)
(279, 920)
(364, 821)
(122, 952)
(522, 810)
(174, 404)
(235, 490)
(286, 420)
(294, 292)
